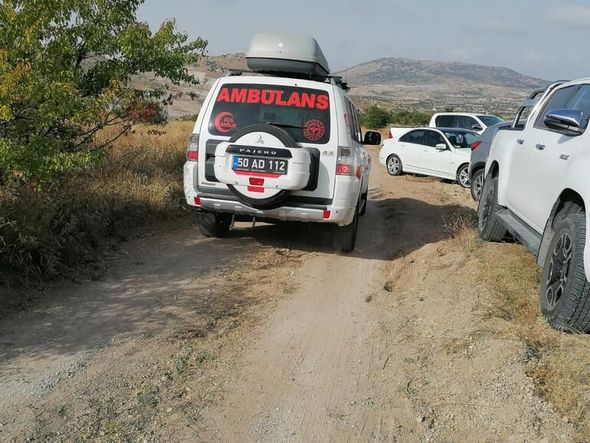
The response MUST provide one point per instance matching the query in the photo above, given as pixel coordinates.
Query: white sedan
(439, 152)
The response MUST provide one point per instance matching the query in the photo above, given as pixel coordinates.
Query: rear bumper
(301, 212)
(341, 206)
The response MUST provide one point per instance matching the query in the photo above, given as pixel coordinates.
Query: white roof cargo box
(287, 54)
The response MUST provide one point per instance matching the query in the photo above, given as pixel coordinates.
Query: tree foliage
(376, 117)
(65, 71)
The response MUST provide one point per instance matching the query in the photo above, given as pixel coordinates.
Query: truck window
(444, 121)
(466, 122)
(559, 100)
(581, 101)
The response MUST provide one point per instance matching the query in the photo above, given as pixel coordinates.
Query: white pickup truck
(537, 188)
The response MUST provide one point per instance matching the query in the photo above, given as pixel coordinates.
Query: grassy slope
(52, 233)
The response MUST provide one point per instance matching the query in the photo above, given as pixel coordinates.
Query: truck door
(537, 166)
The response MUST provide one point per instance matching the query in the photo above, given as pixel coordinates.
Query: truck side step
(530, 238)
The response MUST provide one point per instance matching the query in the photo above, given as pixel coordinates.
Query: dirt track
(270, 336)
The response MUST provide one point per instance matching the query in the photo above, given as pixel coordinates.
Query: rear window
(304, 113)
(490, 120)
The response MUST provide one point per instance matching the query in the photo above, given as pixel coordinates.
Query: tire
(344, 237)
(364, 203)
(564, 291)
(214, 225)
(463, 176)
(489, 225)
(477, 184)
(394, 165)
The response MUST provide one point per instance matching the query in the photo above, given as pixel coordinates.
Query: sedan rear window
(304, 113)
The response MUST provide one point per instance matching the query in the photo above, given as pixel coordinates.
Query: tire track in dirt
(349, 358)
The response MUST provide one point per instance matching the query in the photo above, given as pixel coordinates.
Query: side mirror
(567, 120)
(372, 138)
(441, 147)
(476, 127)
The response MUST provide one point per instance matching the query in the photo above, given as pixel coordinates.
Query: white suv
(537, 188)
(464, 120)
(281, 143)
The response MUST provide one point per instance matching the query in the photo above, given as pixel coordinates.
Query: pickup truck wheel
(344, 237)
(463, 176)
(394, 165)
(564, 291)
(489, 225)
(477, 184)
(214, 225)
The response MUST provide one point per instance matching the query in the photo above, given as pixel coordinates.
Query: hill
(394, 83)
(401, 83)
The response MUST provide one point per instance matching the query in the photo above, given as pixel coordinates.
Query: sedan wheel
(394, 165)
(463, 176)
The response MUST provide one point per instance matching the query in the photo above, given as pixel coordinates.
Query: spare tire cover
(262, 190)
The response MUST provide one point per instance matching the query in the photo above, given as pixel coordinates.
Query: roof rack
(333, 79)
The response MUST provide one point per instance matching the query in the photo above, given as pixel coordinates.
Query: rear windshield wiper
(284, 125)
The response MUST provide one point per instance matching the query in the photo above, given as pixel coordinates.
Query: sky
(544, 38)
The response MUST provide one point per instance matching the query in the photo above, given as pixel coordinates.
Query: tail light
(192, 151)
(475, 145)
(390, 134)
(345, 162)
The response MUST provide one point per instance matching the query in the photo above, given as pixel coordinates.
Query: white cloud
(570, 16)
(495, 27)
(535, 57)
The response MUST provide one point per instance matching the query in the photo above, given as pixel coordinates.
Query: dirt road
(270, 336)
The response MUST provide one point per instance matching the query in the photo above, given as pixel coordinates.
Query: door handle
(520, 141)
(540, 146)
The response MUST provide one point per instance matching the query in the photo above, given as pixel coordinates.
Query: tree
(376, 117)
(65, 70)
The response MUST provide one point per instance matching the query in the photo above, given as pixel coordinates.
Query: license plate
(260, 164)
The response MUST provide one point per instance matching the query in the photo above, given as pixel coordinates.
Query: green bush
(411, 118)
(376, 117)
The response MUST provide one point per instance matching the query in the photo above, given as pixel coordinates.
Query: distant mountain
(419, 72)
(395, 83)
(401, 83)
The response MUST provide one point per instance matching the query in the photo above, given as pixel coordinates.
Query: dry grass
(558, 363)
(51, 233)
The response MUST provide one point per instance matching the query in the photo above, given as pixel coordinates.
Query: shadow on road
(390, 228)
(171, 275)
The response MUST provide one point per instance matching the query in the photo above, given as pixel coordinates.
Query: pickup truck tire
(344, 237)
(394, 165)
(463, 176)
(477, 184)
(564, 291)
(489, 225)
(214, 225)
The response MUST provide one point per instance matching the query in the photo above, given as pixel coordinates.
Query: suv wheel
(344, 237)
(394, 165)
(463, 176)
(214, 225)
(477, 184)
(489, 225)
(564, 291)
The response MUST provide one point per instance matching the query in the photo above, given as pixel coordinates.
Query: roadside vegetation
(556, 362)
(376, 117)
(74, 166)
